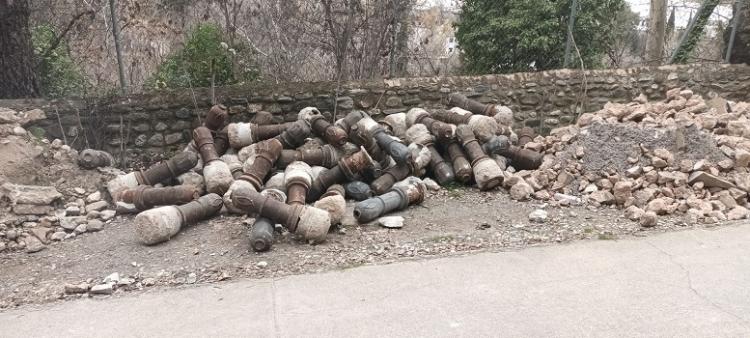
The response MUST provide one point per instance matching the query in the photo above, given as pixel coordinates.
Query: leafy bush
(205, 55)
(57, 73)
(521, 35)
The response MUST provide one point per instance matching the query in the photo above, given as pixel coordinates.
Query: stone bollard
(309, 222)
(160, 172)
(325, 156)
(441, 130)
(349, 168)
(487, 173)
(404, 193)
(395, 124)
(92, 159)
(216, 173)
(146, 197)
(161, 224)
(261, 235)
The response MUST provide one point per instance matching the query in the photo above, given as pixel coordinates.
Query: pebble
(391, 222)
(192, 278)
(79, 191)
(102, 289)
(262, 264)
(72, 211)
(648, 219)
(33, 244)
(77, 288)
(149, 281)
(58, 236)
(107, 215)
(95, 225)
(112, 278)
(431, 184)
(81, 228)
(538, 216)
(94, 197)
(98, 206)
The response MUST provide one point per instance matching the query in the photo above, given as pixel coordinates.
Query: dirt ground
(450, 222)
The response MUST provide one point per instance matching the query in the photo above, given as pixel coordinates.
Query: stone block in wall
(237, 109)
(174, 138)
(393, 101)
(161, 126)
(345, 103)
(141, 127)
(304, 96)
(274, 108)
(181, 125)
(531, 99)
(140, 140)
(183, 113)
(551, 122)
(285, 99)
(412, 101)
(137, 117)
(394, 111)
(156, 140)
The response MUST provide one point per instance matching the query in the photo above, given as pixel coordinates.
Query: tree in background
(57, 73)
(205, 60)
(17, 78)
(522, 35)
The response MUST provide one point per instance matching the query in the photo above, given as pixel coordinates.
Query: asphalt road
(688, 284)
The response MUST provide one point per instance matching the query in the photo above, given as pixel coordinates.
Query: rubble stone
(648, 219)
(538, 216)
(521, 191)
(737, 213)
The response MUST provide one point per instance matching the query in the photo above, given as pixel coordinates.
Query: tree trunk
(694, 32)
(656, 27)
(741, 49)
(17, 78)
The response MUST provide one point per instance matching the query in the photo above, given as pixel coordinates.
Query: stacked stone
(32, 216)
(684, 155)
(300, 174)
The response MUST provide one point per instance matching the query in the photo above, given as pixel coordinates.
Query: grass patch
(607, 237)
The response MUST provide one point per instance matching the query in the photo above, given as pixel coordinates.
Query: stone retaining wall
(160, 123)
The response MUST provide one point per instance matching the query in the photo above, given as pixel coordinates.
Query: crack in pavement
(276, 328)
(692, 288)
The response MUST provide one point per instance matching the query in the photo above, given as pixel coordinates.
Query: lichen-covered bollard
(333, 201)
(332, 134)
(325, 156)
(309, 222)
(358, 122)
(261, 235)
(484, 127)
(408, 192)
(442, 171)
(160, 172)
(217, 175)
(161, 224)
(441, 130)
(395, 124)
(261, 163)
(244, 134)
(294, 136)
(92, 159)
(146, 197)
(297, 178)
(487, 173)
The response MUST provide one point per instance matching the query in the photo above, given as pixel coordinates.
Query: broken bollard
(484, 127)
(404, 193)
(463, 102)
(360, 122)
(395, 124)
(161, 224)
(349, 168)
(297, 178)
(333, 201)
(487, 173)
(217, 175)
(260, 164)
(422, 158)
(216, 118)
(332, 134)
(442, 171)
(160, 172)
(261, 235)
(146, 197)
(92, 159)
(312, 223)
(295, 135)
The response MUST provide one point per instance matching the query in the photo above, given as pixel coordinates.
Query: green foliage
(686, 47)
(510, 35)
(205, 55)
(58, 75)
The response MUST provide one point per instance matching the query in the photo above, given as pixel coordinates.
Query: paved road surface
(684, 284)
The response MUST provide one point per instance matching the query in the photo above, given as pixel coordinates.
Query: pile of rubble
(684, 155)
(299, 175)
(44, 196)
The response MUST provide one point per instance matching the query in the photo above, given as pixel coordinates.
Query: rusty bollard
(442, 171)
(294, 136)
(463, 102)
(441, 130)
(484, 127)
(395, 124)
(521, 159)
(357, 121)
(404, 193)
(332, 134)
(160, 172)
(325, 156)
(487, 173)
(256, 169)
(461, 166)
(261, 235)
(146, 197)
(217, 175)
(297, 178)
(349, 168)
(312, 223)
(161, 224)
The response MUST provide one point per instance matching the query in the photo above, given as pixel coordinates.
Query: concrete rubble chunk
(648, 219)
(77, 288)
(30, 194)
(633, 213)
(737, 213)
(538, 216)
(32, 209)
(391, 222)
(41, 233)
(33, 244)
(521, 191)
(102, 289)
(709, 180)
(97, 206)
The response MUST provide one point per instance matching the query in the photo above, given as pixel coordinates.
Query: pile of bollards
(300, 174)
